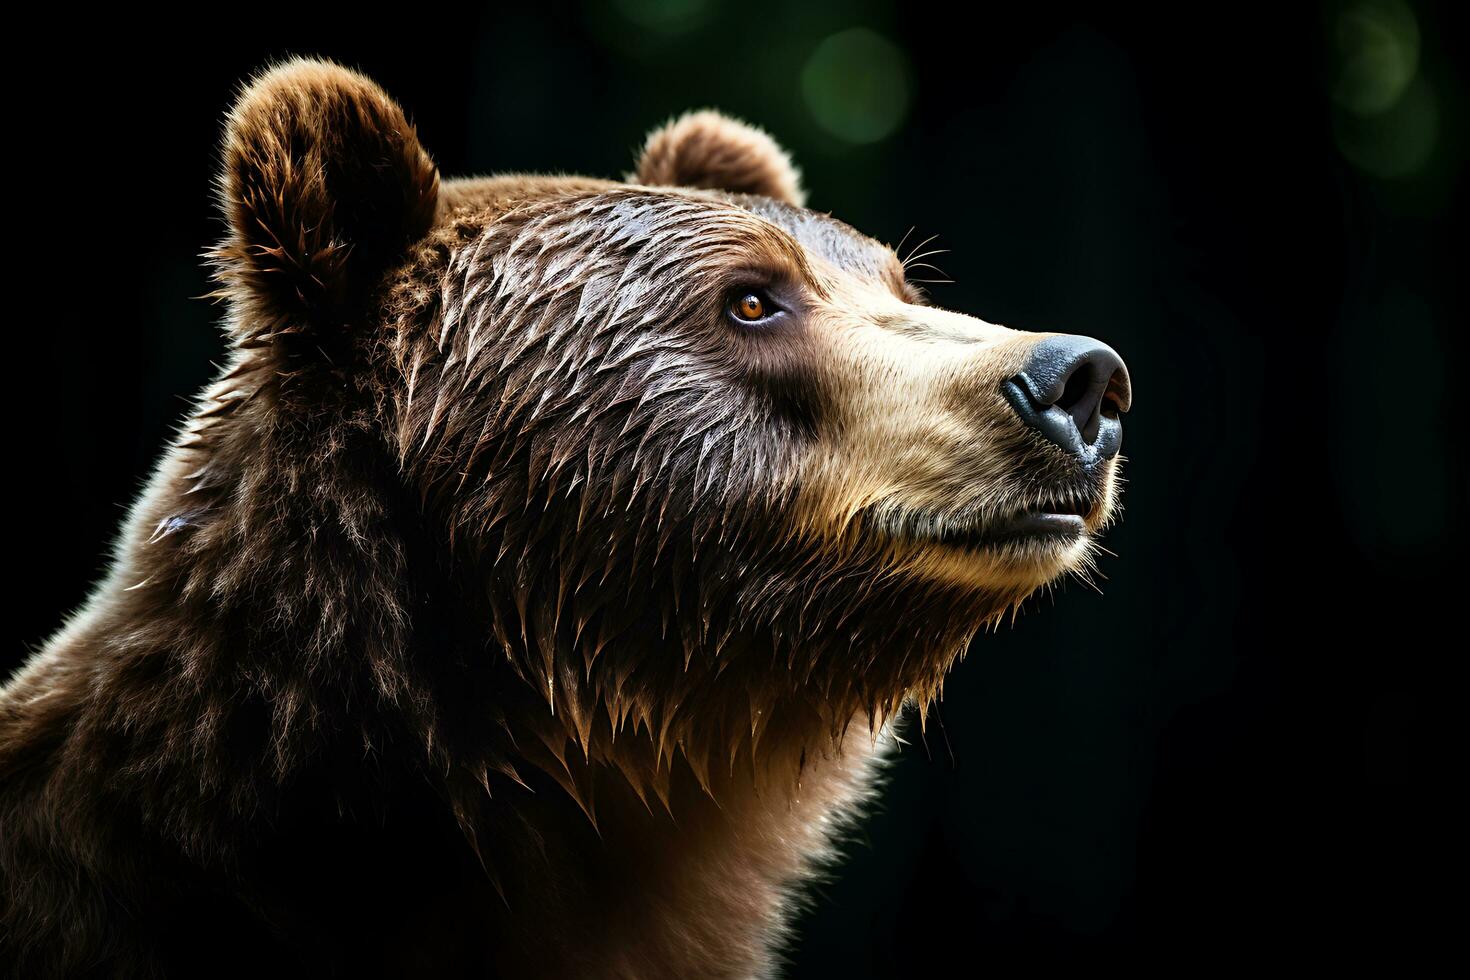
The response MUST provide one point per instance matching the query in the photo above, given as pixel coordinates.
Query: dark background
(1227, 757)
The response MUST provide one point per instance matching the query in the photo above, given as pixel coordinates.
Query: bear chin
(1017, 551)
(1026, 564)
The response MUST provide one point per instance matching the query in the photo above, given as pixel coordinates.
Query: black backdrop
(1227, 754)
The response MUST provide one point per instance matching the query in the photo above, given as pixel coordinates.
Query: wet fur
(500, 609)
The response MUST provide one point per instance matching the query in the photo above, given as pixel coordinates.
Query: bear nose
(1072, 390)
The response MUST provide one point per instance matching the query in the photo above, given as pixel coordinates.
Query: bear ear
(711, 150)
(324, 184)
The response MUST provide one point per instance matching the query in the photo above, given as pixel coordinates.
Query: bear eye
(750, 307)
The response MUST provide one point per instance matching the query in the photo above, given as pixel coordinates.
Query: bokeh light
(1377, 47)
(1387, 119)
(857, 85)
(1397, 142)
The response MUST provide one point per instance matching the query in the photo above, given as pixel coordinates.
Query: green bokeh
(1376, 44)
(1396, 143)
(1387, 118)
(857, 85)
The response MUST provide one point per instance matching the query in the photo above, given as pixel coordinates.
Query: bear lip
(1057, 520)
(1032, 525)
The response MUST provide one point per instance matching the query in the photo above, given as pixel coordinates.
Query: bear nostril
(1080, 400)
(1119, 394)
(1072, 390)
(1085, 393)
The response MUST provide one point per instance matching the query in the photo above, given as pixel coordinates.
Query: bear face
(707, 457)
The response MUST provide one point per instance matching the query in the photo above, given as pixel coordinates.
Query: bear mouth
(1052, 521)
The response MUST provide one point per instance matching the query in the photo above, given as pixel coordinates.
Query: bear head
(696, 463)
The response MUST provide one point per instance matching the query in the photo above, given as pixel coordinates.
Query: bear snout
(1073, 391)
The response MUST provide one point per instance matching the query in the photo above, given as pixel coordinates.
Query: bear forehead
(835, 241)
(820, 235)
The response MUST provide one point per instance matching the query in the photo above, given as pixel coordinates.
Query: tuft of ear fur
(711, 150)
(323, 184)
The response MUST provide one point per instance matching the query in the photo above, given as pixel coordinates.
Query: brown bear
(539, 586)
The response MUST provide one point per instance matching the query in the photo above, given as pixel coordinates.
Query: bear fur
(509, 607)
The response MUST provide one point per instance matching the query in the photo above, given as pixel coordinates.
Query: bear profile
(540, 585)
